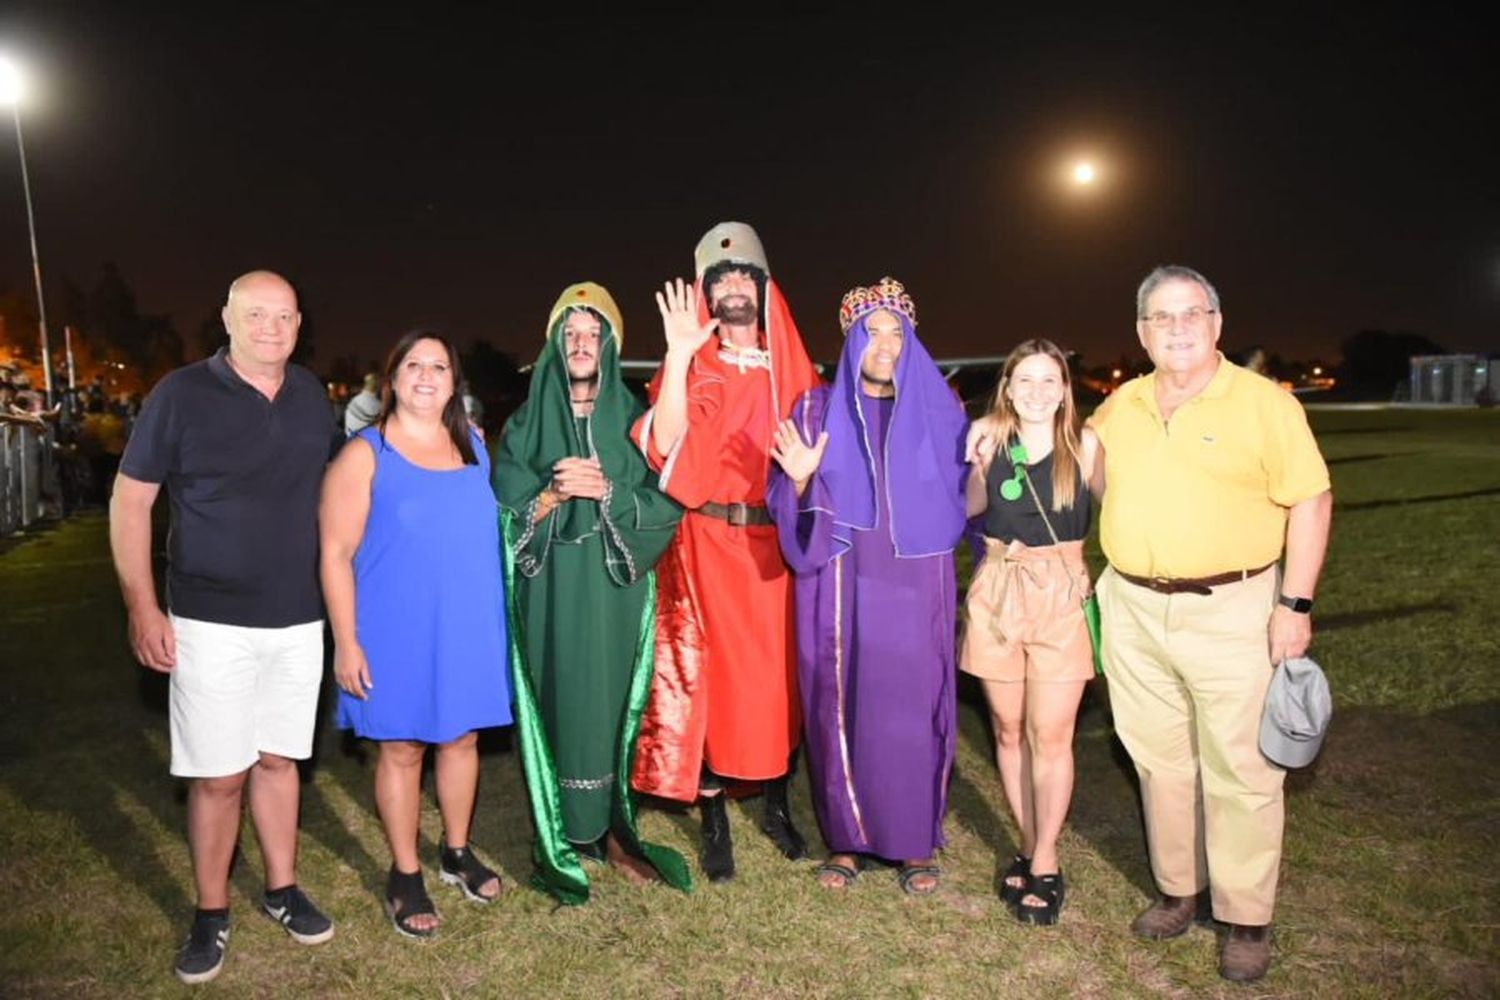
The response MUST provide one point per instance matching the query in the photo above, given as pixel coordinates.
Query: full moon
(1083, 173)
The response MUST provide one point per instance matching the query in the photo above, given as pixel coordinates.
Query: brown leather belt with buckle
(737, 514)
(1194, 585)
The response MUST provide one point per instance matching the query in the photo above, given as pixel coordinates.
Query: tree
(151, 344)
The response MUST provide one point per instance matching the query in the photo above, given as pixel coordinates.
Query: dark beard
(736, 312)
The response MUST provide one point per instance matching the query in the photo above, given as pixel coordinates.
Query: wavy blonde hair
(1066, 449)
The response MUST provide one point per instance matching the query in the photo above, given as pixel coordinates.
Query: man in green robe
(584, 524)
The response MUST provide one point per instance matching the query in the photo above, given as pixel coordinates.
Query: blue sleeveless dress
(429, 603)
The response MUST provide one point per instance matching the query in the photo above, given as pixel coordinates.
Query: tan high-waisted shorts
(1025, 615)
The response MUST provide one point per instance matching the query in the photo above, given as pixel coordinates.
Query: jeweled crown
(888, 293)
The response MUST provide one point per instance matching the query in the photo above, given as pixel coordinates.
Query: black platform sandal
(1013, 882)
(458, 866)
(406, 897)
(1050, 889)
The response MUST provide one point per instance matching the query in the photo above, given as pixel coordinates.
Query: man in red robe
(724, 701)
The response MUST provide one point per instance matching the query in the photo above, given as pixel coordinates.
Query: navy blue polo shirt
(243, 474)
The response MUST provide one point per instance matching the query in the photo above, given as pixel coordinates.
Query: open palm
(797, 458)
(678, 302)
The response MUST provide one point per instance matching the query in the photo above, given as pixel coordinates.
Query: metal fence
(28, 473)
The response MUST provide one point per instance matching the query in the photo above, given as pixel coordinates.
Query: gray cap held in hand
(1295, 719)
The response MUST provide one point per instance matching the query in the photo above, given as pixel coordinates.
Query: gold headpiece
(596, 297)
(887, 294)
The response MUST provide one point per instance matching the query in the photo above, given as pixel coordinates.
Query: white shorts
(238, 692)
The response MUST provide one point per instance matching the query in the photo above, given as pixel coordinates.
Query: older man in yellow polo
(1212, 474)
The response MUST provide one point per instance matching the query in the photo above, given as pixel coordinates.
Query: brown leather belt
(737, 514)
(1186, 585)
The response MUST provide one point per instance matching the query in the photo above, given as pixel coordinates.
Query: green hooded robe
(582, 600)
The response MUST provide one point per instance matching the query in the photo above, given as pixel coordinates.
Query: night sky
(1329, 172)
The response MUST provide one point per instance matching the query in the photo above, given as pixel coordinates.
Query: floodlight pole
(36, 261)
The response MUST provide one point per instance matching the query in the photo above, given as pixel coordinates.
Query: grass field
(1390, 883)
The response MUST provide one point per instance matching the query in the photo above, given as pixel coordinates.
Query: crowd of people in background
(79, 438)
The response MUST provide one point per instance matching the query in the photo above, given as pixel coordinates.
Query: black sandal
(909, 873)
(1020, 868)
(458, 866)
(406, 897)
(1050, 889)
(846, 874)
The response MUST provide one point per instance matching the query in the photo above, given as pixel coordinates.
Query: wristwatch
(1301, 605)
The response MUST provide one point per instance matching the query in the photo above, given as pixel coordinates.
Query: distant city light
(1317, 370)
(1116, 373)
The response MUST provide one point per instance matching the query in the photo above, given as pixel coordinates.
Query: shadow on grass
(349, 761)
(1351, 459)
(98, 793)
(967, 801)
(1351, 619)
(1106, 808)
(1373, 429)
(320, 821)
(1345, 508)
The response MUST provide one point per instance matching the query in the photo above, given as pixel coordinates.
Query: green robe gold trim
(584, 561)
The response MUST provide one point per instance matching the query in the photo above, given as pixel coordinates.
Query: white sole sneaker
(192, 978)
(279, 914)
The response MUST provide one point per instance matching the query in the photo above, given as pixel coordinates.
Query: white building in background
(1455, 379)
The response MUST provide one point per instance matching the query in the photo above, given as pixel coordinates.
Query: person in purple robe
(868, 500)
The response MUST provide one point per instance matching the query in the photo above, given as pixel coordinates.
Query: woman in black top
(1026, 637)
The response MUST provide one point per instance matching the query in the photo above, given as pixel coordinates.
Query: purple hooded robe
(875, 589)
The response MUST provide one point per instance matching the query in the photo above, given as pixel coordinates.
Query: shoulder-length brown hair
(455, 417)
(1065, 426)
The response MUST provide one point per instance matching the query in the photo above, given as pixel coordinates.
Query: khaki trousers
(1187, 681)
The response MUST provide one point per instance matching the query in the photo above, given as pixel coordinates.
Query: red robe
(725, 687)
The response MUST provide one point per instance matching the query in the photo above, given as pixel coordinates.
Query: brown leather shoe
(1246, 953)
(1168, 917)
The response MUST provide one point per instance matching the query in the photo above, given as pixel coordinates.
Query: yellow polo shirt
(1206, 492)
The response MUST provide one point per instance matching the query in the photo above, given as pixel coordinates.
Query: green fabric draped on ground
(582, 606)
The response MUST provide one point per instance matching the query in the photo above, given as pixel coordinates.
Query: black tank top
(1010, 520)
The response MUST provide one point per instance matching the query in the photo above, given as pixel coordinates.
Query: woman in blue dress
(412, 579)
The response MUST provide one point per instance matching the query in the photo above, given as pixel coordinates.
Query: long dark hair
(455, 418)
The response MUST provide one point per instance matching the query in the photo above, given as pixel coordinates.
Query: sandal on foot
(907, 876)
(845, 873)
(458, 866)
(1050, 889)
(406, 897)
(1013, 882)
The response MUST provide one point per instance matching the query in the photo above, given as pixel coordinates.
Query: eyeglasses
(1163, 320)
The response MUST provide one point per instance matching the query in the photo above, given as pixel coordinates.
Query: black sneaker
(294, 911)
(202, 956)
